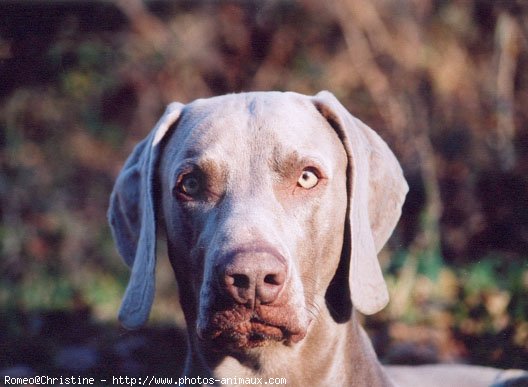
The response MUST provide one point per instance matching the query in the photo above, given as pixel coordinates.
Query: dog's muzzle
(250, 306)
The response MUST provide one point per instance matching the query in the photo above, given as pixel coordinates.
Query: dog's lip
(251, 333)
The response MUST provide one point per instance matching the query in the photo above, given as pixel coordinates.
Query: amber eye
(308, 179)
(189, 185)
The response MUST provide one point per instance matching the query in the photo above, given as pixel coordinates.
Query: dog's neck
(330, 354)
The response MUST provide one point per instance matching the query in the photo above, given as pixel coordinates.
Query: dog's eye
(308, 179)
(189, 185)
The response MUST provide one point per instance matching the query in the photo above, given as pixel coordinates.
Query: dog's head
(274, 204)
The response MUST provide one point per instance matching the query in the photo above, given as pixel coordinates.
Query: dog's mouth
(249, 333)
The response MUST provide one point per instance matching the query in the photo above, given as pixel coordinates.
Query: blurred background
(445, 83)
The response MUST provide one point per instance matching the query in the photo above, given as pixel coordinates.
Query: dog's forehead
(261, 122)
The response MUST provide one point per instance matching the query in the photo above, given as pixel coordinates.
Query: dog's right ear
(132, 220)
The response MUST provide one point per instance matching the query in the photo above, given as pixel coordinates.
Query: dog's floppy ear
(132, 220)
(376, 191)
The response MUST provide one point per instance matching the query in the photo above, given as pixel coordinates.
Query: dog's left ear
(376, 192)
(132, 219)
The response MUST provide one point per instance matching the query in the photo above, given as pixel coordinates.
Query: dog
(275, 206)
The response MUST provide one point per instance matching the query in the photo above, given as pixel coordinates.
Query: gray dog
(275, 206)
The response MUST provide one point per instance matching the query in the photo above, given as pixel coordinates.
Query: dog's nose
(253, 278)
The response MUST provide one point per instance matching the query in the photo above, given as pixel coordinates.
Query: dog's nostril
(271, 279)
(240, 281)
(275, 279)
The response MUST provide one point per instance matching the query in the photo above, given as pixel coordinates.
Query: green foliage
(480, 277)
(482, 305)
(430, 263)
(47, 289)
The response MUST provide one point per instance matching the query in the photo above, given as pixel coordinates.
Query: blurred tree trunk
(507, 47)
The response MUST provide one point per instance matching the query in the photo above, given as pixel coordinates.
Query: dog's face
(253, 200)
(274, 206)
